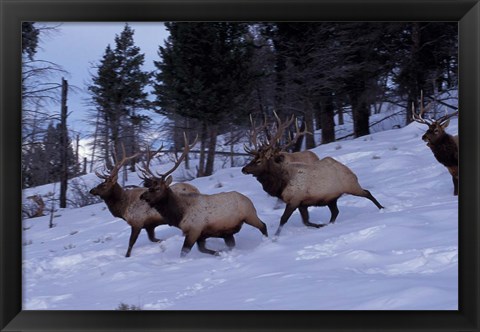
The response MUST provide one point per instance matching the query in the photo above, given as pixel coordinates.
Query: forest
(195, 149)
(211, 78)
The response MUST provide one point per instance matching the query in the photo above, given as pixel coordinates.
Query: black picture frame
(13, 12)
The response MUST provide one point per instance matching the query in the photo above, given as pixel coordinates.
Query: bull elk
(126, 204)
(301, 185)
(199, 216)
(443, 145)
(273, 140)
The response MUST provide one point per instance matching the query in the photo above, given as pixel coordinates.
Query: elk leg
(187, 246)
(373, 199)
(205, 250)
(133, 238)
(333, 210)
(229, 241)
(151, 234)
(455, 186)
(257, 223)
(283, 220)
(304, 213)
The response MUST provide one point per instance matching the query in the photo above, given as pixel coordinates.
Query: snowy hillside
(403, 257)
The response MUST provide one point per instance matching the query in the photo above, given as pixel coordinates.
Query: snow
(404, 257)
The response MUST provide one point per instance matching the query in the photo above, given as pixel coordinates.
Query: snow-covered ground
(400, 258)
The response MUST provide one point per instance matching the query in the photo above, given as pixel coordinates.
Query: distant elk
(443, 145)
(126, 204)
(301, 185)
(199, 216)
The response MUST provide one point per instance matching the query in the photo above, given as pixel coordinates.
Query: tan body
(319, 182)
(301, 185)
(202, 216)
(307, 157)
(126, 204)
(139, 214)
(216, 215)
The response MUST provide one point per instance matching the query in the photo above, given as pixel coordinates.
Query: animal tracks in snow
(425, 261)
(333, 246)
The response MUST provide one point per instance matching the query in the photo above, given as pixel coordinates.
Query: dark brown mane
(445, 151)
(169, 208)
(273, 182)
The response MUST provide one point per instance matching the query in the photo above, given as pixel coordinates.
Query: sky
(78, 46)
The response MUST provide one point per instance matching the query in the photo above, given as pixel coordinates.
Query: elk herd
(301, 180)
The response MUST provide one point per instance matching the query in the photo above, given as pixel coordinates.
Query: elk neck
(116, 201)
(170, 208)
(442, 150)
(273, 181)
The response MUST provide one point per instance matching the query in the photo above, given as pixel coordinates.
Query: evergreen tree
(118, 91)
(203, 75)
(43, 162)
(30, 35)
(53, 157)
(426, 59)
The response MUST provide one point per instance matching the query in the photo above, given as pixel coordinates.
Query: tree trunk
(340, 116)
(328, 123)
(64, 143)
(201, 161)
(232, 145)
(360, 111)
(309, 139)
(212, 145)
(318, 116)
(77, 156)
(108, 159)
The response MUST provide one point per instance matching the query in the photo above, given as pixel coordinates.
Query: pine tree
(426, 59)
(118, 91)
(203, 75)
(53, 150)
(30, 35)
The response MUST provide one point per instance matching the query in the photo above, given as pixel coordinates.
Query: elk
(301, 185)
(126, 204)
(443, 145)
(274, 140)
(199, 216)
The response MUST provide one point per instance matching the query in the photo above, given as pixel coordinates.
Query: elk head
(110, 178)
(158, 184)
(270, 149)
(436, 128)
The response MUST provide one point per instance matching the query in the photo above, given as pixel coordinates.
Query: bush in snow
(79, 194)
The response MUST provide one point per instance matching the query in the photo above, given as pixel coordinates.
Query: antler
(281, 126)
(113, 173)
(254, 135)
(419, 117)
(296, 136)
(446, 117)
(186, 149)
(145, 169)
(104, 175)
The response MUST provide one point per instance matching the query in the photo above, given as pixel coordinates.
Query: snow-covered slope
(402, 257)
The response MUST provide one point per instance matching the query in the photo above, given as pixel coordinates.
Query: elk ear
(169, 180)
(445, 125)
(279, 159)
